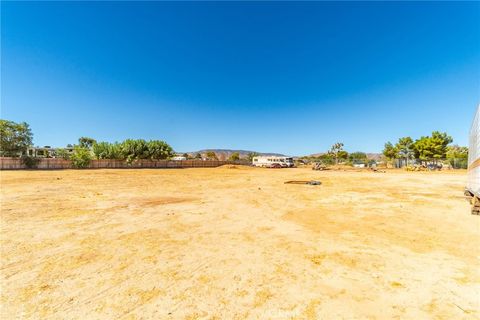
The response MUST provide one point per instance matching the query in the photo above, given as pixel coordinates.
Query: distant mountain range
(223, 154)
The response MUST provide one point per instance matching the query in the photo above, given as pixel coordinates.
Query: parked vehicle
(273, 162)
(473, 182)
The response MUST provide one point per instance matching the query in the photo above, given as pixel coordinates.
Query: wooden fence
(54, 163)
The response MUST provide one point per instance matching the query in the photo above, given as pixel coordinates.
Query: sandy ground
(237, 243)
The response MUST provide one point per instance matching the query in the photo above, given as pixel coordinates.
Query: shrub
(81, 157)
(86, 142)
(62, 153)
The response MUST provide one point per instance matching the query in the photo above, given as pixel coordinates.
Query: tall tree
(86, 142)
(336, 150)
(440, 141)
(390, 151)
(405, 148)
(15, 138)
(159, 150)
(457, 156)
(132, 150)
(432, 147)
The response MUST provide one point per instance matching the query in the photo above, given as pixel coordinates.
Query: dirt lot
(237, 243)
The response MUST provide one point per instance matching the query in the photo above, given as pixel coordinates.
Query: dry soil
(237, 243)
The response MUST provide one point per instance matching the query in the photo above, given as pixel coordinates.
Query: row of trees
(129, 150)
(427, 148)
(16, 138)
(431, 148)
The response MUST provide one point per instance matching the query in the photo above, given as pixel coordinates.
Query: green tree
(15, 138)
(337, 151)
(159, 150)
(343, 155)
(325, 158)
(81, 157)
(457, 156)
(106, 150)
(440, 141)
(405, 148)
(390, 151)
(252, 155)
(211, 155)
(100, 150)
(357, 156)
(132, 150)
(186, 156)
(423, 148)
(198, 156)
(234, 156)
(85, 142)
(432, 147)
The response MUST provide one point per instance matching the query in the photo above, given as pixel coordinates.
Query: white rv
(473, 183)
(272, 162)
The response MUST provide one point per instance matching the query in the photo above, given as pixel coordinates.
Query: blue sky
(273, 77)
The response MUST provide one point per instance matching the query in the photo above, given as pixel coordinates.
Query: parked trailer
(272, 162)
(473, 182)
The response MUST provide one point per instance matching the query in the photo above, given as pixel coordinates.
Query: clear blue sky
(273, 77)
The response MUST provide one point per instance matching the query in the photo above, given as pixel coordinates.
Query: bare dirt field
(237, 243)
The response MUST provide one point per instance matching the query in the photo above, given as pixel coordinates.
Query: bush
(106, 150)
(81, 157)
(30, 162)
(62, 153)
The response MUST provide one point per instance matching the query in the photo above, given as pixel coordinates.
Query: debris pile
(319, 166)
(310, 182)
